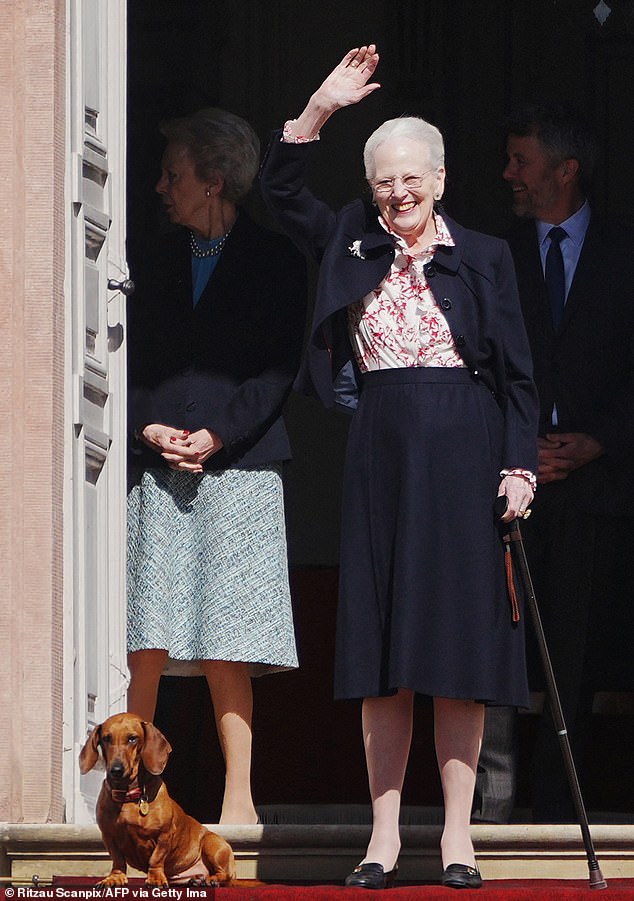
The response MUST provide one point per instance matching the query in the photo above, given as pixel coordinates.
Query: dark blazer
(473, 283)
(228, 363)
(588, 368)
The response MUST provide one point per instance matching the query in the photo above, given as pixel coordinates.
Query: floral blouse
(399, 323)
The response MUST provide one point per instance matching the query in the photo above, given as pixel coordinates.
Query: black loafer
(457, 875)
(371, 875)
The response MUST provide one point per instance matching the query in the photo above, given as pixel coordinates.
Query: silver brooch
(355, 250)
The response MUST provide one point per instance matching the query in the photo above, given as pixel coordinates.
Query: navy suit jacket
(588, 368)
(473, 283)
(227, 364)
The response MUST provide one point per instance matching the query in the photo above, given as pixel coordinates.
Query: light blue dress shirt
(575, 227)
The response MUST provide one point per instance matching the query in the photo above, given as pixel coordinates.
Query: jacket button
(460, 341)
(190, 407)
(429, 269)
(445, 303)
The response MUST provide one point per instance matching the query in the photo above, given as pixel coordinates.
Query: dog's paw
(114, 878)
(218, 880)
(157, 878)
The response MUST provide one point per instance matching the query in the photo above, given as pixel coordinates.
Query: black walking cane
(512, 538)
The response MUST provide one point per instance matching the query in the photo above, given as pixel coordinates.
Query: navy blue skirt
(423, 602)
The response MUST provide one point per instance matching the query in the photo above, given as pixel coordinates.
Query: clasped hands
(561, 453)
(181, 449)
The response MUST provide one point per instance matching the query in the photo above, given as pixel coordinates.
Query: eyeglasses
(411, 182)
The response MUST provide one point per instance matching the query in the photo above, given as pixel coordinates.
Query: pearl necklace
(198, 251)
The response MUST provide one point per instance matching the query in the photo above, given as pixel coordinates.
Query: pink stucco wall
(32, 165)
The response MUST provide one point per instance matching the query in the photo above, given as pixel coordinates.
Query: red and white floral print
(399, 324)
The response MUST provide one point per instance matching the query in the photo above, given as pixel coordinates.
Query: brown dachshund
(140, 824)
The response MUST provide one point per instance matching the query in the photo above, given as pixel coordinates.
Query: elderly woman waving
(420, 318)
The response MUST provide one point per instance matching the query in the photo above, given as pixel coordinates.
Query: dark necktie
(555, 275)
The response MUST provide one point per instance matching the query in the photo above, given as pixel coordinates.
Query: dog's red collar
(121, 796)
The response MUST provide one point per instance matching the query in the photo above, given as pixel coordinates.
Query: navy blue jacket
(472, 282)
(227, 364)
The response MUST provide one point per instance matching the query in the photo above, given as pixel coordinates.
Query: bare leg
(232, 698)
(387, 736)
(145, 671)
(458, 729)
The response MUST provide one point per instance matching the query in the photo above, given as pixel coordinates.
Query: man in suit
(576, 283)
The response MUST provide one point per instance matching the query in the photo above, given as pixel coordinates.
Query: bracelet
(289, 138)
(525, 474)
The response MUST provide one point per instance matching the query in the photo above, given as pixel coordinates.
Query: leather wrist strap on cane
(510, 582)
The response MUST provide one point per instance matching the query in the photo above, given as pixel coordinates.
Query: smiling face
(407, 211)
(184, 194)
(540, 186)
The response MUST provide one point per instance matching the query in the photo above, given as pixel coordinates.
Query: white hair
(412, 127)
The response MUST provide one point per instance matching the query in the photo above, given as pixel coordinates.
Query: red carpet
(497, 890)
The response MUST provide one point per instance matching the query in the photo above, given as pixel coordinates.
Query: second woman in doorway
(215, 330)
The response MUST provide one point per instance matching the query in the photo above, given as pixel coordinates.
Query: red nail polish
(173, 438)
(186, 433)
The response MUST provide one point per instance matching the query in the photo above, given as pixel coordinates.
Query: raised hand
(348, 82)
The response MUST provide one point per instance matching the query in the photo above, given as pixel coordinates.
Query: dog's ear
(89, 754)
(156, 749)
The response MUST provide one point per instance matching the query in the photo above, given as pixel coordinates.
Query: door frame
(95, 673)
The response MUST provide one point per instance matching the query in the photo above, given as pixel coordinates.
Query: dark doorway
(462, 65)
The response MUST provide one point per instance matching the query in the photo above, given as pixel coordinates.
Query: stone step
(326, 853)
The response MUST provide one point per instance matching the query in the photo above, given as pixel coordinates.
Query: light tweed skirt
(207, 569)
